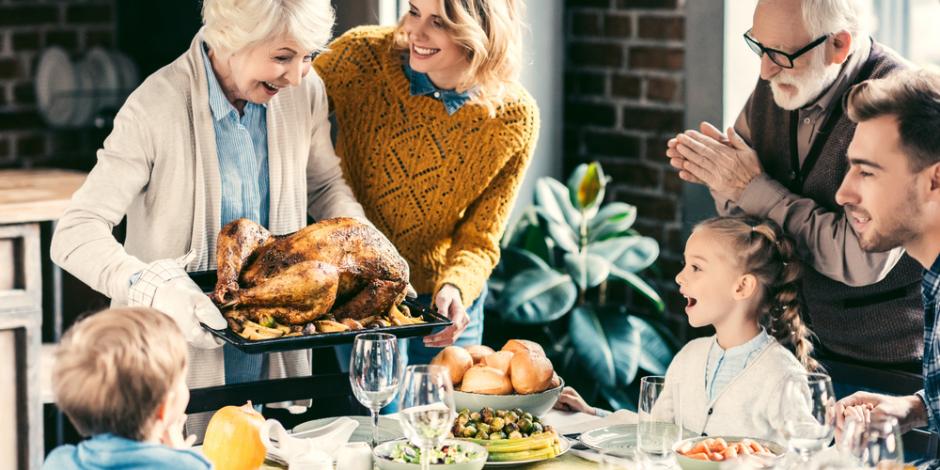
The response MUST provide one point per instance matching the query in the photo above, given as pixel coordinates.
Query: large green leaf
(640, 285)
(614, 218)
(537, 296)
(561, 233)
(586, 269)
(514, 260)
(628, 253)
(607, 344)
(656, 353)
(552, 197)
(586, 188)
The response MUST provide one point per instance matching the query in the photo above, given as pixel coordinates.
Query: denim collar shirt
(930, 287)
(107, 451)
(242, 144)
(725, 364)
(421, 85)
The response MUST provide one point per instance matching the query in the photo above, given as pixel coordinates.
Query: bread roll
(456, 359)
(478, 352)
(486, 380)
(530, 372)
(499, 360)
(516, 345)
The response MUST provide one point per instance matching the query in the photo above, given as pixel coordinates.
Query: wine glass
(427, 408)
(807, 413)
(374, 373)
(660, 426)
(875, 444)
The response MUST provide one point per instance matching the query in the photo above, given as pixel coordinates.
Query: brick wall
(623, 100)
(25, 28)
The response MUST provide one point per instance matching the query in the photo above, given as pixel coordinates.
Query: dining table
(569, 424)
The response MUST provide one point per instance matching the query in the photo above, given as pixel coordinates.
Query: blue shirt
(725, 364)
(107, 451)
(421, 85)
(930, 287)
(242, 145)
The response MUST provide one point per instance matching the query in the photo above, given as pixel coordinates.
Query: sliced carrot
(699, 448)
(698, 456)
(730, 453)
(719, 445)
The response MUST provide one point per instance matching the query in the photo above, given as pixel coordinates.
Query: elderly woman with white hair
(235, 127)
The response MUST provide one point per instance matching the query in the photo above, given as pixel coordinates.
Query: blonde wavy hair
(234, 25)
(490, 31)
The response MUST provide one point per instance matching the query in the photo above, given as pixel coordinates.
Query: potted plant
(557, 264)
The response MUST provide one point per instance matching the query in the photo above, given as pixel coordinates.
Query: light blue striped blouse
(242, 146)
(725, 364)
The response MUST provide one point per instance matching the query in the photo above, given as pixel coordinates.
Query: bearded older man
(785, 158)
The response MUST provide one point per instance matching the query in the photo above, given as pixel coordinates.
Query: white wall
(543, 76)
(741, 64)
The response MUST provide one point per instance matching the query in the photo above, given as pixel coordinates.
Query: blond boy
(120, 376)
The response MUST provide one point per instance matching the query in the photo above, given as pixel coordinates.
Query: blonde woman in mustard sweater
(434, 136)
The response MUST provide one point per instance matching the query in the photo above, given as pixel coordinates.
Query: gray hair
(233, 25)
(831, 16)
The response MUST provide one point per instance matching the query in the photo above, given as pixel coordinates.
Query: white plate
(105, 77)
(563, 442)
(389, 429)
(55, 85)
(83, 98)
(619, 439)
(127, 73)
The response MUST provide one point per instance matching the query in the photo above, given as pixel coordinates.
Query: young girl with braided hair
(740, 276)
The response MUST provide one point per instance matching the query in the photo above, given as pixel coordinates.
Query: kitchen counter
(36, 195)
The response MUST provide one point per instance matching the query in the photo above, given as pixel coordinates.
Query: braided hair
(769, 255)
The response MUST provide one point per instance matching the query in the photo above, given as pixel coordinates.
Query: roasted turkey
(337, 266)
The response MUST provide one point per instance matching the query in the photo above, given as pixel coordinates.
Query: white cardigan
(159, 167)
(747, 405)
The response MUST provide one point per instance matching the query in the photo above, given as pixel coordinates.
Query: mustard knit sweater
(439, 186)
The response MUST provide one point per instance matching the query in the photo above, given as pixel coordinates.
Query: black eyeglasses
(779, 57)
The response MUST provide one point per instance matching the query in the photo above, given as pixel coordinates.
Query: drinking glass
(660, 426)
(374, 373)
(427, 408)
(806, 414)
(873, 444)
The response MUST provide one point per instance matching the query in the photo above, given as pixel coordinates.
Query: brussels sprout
(536, 428)
(487, 414)
(525, 425)
(515, 435)
(475, 416)
(511, 417)
(464, 411)
(457, 429)
(462, 419)
(528, 416)
(510, 427)
(495, 435)
(469, 431)
(518, 411)
(481, 435)
(501, 413)
(497, 424)
(484, 427)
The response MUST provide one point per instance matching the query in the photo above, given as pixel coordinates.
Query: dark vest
(883, 322)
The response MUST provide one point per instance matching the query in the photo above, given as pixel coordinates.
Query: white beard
(809, 85)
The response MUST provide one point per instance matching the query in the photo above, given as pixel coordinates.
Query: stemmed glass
(807, 413)
(374, 373)
(660, 426)
(875, 444)
(427, 408)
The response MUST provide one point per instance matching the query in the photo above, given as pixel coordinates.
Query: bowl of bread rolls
(517, 376)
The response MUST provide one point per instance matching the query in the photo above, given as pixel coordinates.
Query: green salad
(405, 452)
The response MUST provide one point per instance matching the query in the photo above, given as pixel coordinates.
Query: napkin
(326, 440)
(567, 422)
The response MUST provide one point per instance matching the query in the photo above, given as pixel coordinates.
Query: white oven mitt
(165, 286)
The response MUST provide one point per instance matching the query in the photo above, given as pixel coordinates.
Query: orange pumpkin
(233, 439)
